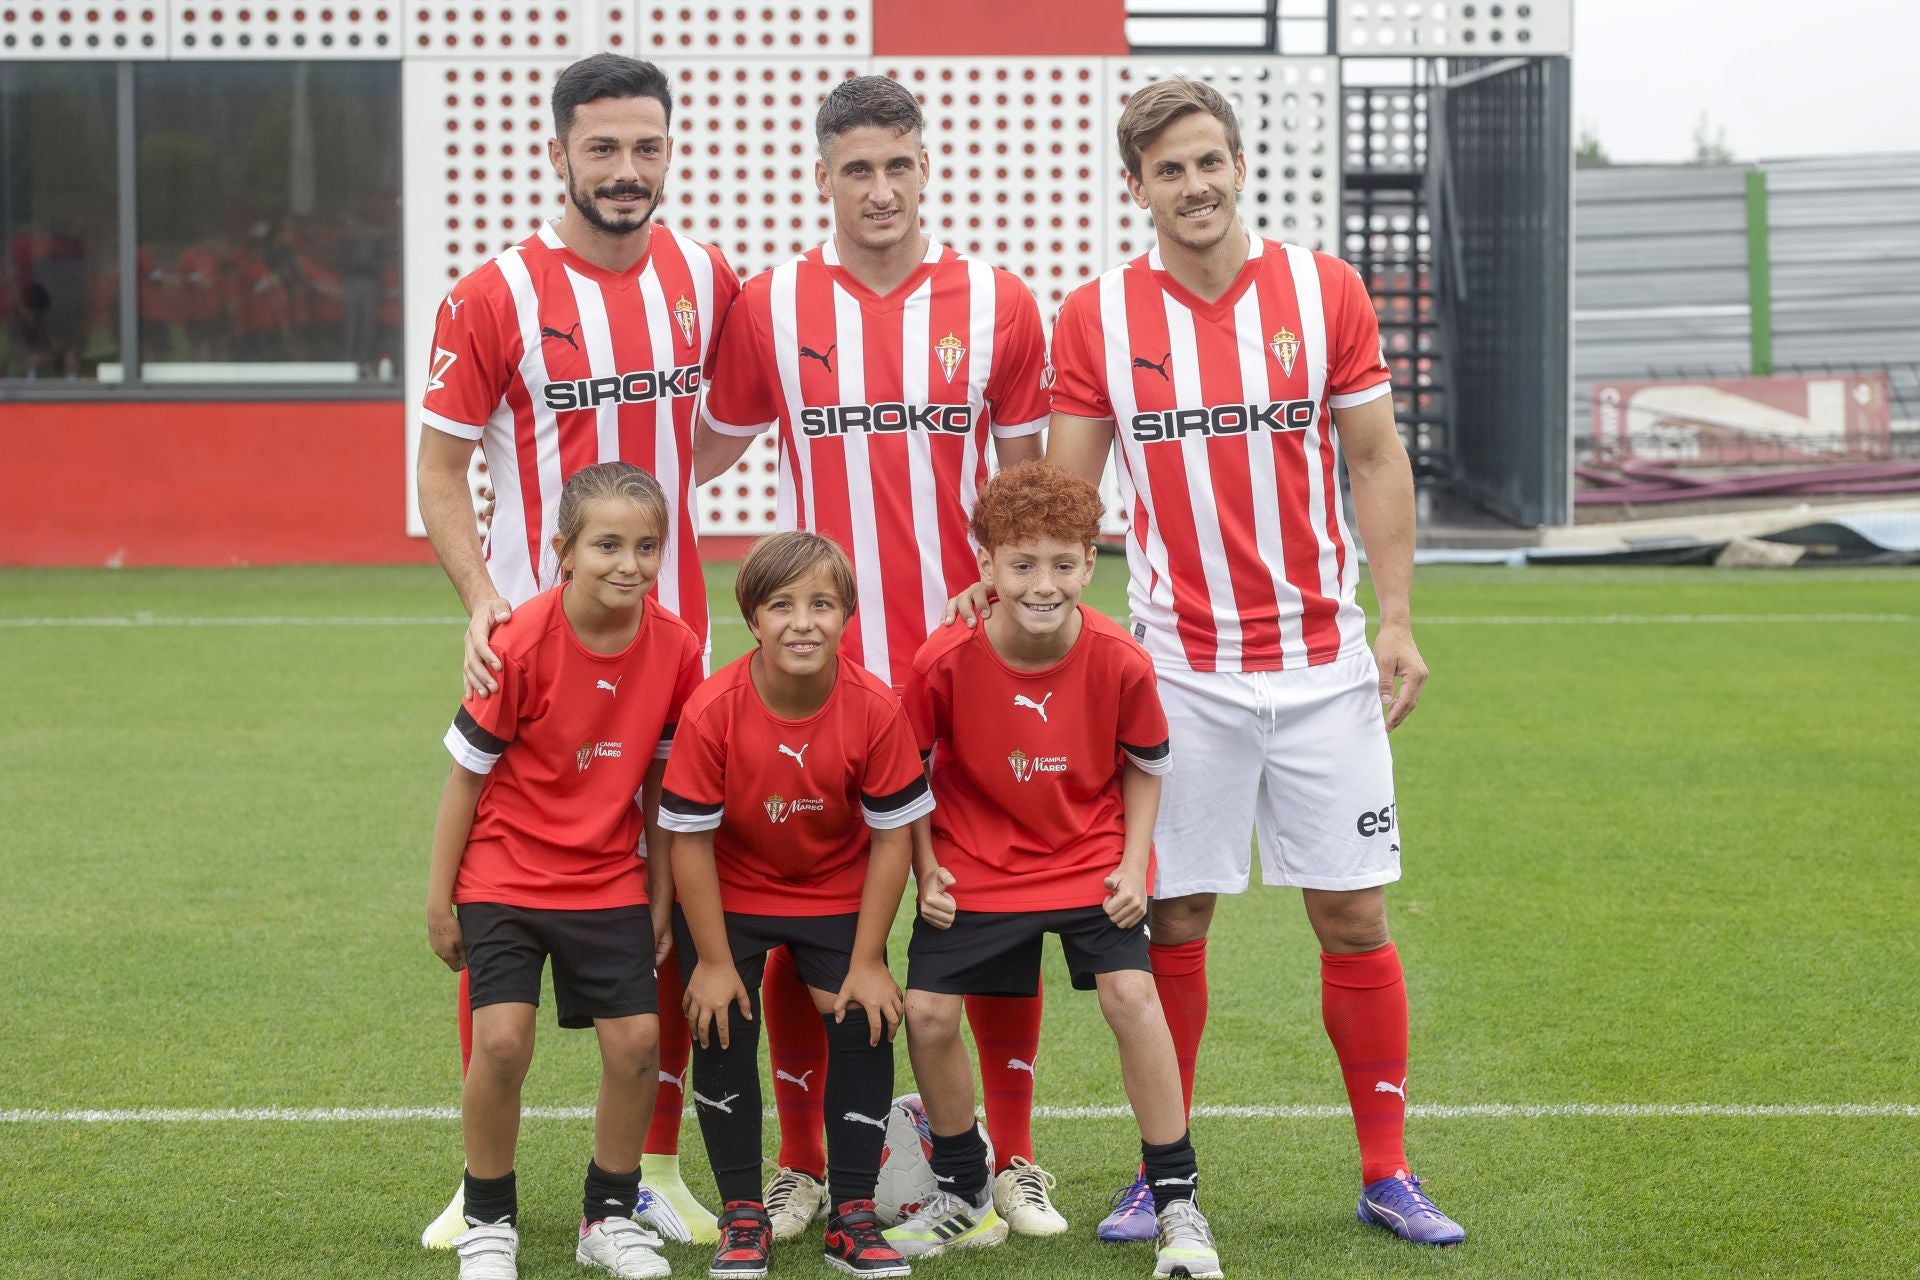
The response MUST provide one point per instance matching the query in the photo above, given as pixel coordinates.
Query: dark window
(269, 221)
(59, 205)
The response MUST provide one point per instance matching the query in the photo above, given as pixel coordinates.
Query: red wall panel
(999, 28)
(204, 484)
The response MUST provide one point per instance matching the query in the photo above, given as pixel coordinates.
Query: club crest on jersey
(1026, 766)
(779, 808)
(588, 752)
(1285, 346)
(684, 313)
(951, 351)
(442, 361)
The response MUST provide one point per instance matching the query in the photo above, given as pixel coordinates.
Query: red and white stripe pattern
(509, 337)
(808, 336)
(1239, 552)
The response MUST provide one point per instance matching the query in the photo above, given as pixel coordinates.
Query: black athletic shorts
(602, 960)
(822, 946)
(997, 953)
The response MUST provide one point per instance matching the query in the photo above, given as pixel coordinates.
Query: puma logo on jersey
(800, 1079)
(568, 337)
(442, 361)
(824, 357)
(857, 1118)
(1381, 1086)
(675, 1081)
(1022, 700)
(786, 750)
(1014, 1064)
(454, 305)
(1141, 362)
(613, 688)
(725, 1104)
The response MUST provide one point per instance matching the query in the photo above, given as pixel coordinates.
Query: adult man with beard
(587, 342)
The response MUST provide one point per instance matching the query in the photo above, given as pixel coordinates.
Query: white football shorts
(1297, 758)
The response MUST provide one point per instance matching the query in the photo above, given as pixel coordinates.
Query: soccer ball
(906, 1161)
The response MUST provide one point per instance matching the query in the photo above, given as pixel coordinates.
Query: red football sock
(464, 1016)
(663, 1131)
(797, 1051)
(1363, 1000)
(1006, 1031)
(1180, 976)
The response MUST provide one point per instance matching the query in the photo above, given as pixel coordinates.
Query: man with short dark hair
(888, 362)
(1226, 374)
(587, 342)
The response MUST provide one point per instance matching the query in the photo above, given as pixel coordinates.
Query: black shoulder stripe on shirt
(476, 735)
(692, 808)
(666, 731)
(899, 799)
(1160, 752)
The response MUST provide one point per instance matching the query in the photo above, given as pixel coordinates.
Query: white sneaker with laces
(451, 1222)
(1184, 1246)
(487, 1251)
(621, 1247)
(793, 1199)
(1020, 1196)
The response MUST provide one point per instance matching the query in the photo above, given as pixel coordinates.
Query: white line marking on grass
(1424, 1111)
(156, 620)
(1656, 619)
(1454, 620)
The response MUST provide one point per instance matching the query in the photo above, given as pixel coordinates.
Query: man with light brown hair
(1225, 372)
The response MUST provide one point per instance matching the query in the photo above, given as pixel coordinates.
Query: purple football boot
(1133, 1219)
(1398, 1204)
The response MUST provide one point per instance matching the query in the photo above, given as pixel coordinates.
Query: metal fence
(1666, 273)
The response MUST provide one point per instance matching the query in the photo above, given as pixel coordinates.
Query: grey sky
(1784, 77)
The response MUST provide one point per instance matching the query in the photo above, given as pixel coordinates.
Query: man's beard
(583, 199)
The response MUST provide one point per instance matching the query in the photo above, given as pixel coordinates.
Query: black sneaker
(855, 1245)
(746, 1238)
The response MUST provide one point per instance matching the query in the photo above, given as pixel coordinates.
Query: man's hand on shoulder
(974, 604)
(1398, 658)
(481, 662)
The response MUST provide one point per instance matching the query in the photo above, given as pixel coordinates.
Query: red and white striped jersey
(1238, 549)
(554, 364)
(885, 405)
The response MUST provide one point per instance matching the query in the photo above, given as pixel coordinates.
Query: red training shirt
(1027, 764)
(790, 802)
(566, 744)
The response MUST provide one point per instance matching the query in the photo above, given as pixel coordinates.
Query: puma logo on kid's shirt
(613, 688)
(567, 337)
(824, 357)
(798, 759)
(1022, 700)
(1141, 362)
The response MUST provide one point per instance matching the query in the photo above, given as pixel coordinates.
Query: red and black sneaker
(855, 1245)
(746, 1238)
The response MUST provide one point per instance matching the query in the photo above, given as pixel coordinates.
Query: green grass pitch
(1649, 865)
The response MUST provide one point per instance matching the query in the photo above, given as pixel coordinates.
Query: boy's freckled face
(800, 625)
(1039, 581)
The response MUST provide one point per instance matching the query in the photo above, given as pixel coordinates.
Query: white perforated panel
(43, 31)
(255, 31)
(1429, 28)
(1289, 126)
(757, 28)
(743, 156)
(567, 29)
(1018, 172)
(743, 180)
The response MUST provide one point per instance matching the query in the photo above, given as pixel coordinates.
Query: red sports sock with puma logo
(1363, 1001)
